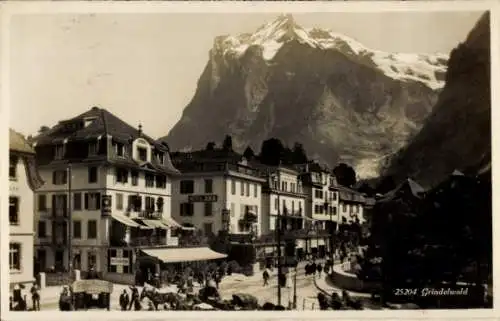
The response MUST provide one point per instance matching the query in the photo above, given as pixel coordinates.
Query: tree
(345, 174)
(272, 152)
(227, 145)
(210, 146)
(248, 153)
(43, 129)
(299, 155)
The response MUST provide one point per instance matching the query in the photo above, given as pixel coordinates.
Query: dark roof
(349, 195)
(409, 184)
(105, 123)
(17, 143)
(312, 166)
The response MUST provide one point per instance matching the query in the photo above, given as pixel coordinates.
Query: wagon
(92, 294)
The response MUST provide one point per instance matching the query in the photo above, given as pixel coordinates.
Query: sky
(144, 67)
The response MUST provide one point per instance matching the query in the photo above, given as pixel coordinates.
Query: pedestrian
(313, 268)
(319, 268)
(265, 276)
(35, 297)
(135, 297)
(217, 279)
(124, 300)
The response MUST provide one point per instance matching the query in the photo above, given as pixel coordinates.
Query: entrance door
(59, 260)
(41, 255)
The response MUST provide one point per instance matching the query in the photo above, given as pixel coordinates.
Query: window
(92, 201)
(13, 210)
(255, 190)
(233, 187)
(91, 260)
(93, 148)
(187, 209)
(13, 167)
(286, 187)
(159, 204)
(242, 185)
(92, 174)
(119, 201)
(209, 186)
(161, 181)
(233, 208)
(142, 154)
(134, 203)
(207, 228)
(150, 204)
(77, 201)
(293, 206)
(59, 177)
(42, 229)
(209, 209)
(92, 229)
(77, 229)
(150, 180)
(276, 204)
(160, 157)
(121, 175)
(42, 202)
(60, 204)
(248, 189)
(334, 196)
(58, 152)
(187, 187)
(15, 256)
(318, 193)
(119, 150)
(135, 178)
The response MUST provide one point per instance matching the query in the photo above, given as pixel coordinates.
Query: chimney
(140, 129)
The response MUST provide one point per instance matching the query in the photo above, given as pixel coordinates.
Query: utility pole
(295, 289)
(70, 222)
(278, 237)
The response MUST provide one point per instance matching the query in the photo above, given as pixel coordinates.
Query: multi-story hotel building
(351, 205)
(283, 199)
(23, 181)
(218, 191)
(107, 194)
(321, 205)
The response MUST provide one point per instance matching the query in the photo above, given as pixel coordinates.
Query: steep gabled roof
(103, 123)
(415, 189)
(17, 143)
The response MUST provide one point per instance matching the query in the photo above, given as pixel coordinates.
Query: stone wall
(350, 281)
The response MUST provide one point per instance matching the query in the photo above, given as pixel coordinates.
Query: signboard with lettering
(202, 198)
(106, 204)
(119, 261)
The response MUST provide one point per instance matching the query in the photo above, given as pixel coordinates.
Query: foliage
(227, 145)
(210, 146)
(434, 238)
(345, 174)
(248, 153)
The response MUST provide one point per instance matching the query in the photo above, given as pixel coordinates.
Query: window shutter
(86, 201)
(65, 177)
(98, 201)
(53, 203)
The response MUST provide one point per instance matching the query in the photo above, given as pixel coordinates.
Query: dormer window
(92, 148)
(160, 158)
(119, 150)
(59, 152)
(142, 154)
(88, 121)
(13, 167)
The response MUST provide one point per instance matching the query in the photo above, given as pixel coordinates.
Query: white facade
(90, 230)
(199, 198)
(319, 194)
(21, 235)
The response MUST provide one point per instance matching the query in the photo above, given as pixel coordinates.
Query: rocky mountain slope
(343, 101)
(457, 134)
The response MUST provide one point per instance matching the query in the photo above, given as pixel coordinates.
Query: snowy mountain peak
(428, 69)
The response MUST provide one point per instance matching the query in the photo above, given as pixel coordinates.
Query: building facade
(218, 191)
(283, 206)
(23, 181)
(108, 194)
(322, 205)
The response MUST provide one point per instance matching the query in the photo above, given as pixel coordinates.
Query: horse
(159, 297)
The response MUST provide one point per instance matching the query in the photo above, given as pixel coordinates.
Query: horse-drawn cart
(92, 293)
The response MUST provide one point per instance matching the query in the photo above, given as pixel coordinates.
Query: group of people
(127, 302)
(18, 302)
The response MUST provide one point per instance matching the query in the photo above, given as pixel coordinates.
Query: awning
(174, 255)
(155, 224)
(170, 222)
(125, 220)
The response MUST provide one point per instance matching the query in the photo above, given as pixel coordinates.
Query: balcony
(148, 241)
(59, 213)
(193, 240)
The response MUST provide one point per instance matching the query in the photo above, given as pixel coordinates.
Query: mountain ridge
(336, 101)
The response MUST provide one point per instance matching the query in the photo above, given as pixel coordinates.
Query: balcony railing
(149, 214)
(60, 213)
(148, 241)
(193, 240)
